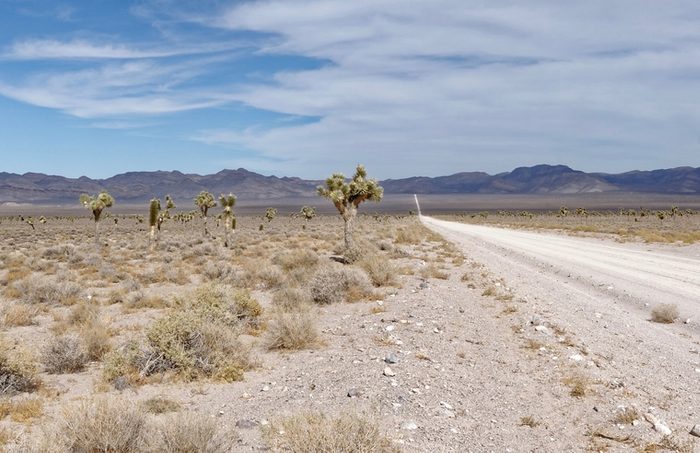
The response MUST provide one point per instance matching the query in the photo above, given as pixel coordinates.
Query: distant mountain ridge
(247, 185)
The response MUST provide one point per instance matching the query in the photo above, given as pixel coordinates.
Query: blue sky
(309, 87)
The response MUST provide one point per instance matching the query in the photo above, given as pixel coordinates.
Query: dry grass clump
(381, 271)
(665, 313)
(579, 385)
(21, 410)
(433, 271)
(200, 339)
(529, 421)
(291, 299)
(37, 290)
(292, 330)
(337, 284)
(65, 354)
(96, 340)
(191, 433)
(19, 315)
(289, 261)
(160, 405)
(105, 424)
(315, 432)
(626, 416)
(17, 370)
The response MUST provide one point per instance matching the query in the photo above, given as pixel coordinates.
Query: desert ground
(520, 335)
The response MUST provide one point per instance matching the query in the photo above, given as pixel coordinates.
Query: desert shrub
(36, 290)
(21, 410)
(314, 432)
(220, 303)
(65, 354)
(95, 337)
(16, 315)
(381, 271)
(59, 252)
(105, 424)
(291, 299)
(83, 313)
(192, 433)
(338, 284)
(17, 369)
(160, 405)
(292, 330)
(193, 346)
(665, 313)
(289, 261)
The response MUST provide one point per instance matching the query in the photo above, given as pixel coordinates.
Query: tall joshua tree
(157, 216)
(308, 213)
(347, 196)
(97, 204)
(228, 202)
(204, 201)
(270, 214)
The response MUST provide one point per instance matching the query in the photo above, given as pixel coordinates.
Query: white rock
(659, 426)
(389, 328)
(389, 372)
(598, 315)
(410, 425)
(542, 329)
(576, 357)
(695, 431)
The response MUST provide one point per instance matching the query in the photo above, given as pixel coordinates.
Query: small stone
(354, 393)
(598, 315)
(389, 372)
(659, 426)
(436, 330)
(221, 413)
(695, 431)
(389, 328)
(576, 357)
(542, 329)
(246, 423)
(264, 422)
(266, 388)
(423, 285)
(391, 358)
(446, 405)
(687, 321)
(410, 425)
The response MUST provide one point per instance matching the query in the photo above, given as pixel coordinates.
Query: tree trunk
(227, 228)
(152, 238)
(206, 232)
(349, 219)
(97, 232)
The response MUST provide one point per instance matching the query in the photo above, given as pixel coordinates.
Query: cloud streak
(406, 87)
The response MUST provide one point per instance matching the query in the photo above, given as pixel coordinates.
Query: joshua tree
(308, 213)
(153, 214)
(97, 204)
(228, 202)
(270, 214)
(347, 196)
(204, 201)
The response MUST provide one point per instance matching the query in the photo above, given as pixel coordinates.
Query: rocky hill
(540, 179)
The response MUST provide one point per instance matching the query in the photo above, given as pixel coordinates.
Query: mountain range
(540, 179)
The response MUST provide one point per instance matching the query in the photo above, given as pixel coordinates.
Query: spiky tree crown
(344, 194)
(98, 203)
(153, 212)
(308, 212)
(169, 203)
(204, 201)
(270, 213)
(227, 202)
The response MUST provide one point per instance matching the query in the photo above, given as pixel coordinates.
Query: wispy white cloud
(50, 49)
(429, 85)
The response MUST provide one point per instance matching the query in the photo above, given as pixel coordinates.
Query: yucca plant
(270, 214)
(347, 196)
(97, 204)
(308, 213)
(228, 202)
(204, 201)
(156, 216)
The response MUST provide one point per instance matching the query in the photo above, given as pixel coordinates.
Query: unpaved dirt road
(597, 295)
(638, 275)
